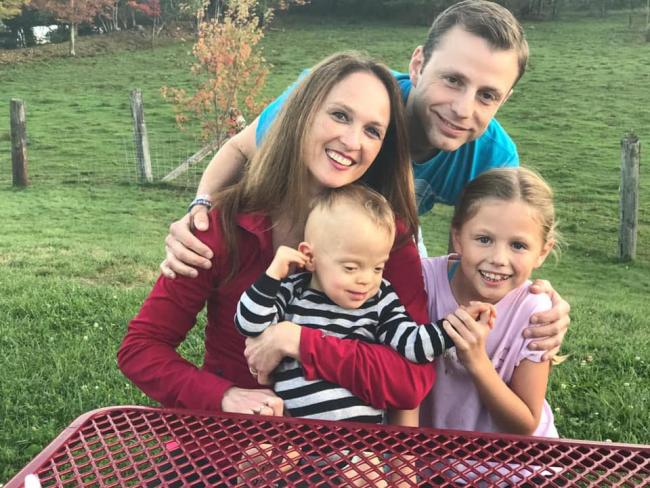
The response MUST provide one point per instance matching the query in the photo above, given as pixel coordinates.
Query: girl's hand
(469, 335)
(259, 402)
(265, 351)
(285, 259)
(485, 313)
(549, 326)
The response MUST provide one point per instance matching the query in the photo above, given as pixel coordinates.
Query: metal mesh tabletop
(139, 446)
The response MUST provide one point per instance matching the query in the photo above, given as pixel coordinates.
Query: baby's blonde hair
(509, 184)
(360, 197)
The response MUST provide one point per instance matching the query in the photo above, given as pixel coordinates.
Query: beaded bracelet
(200, 200)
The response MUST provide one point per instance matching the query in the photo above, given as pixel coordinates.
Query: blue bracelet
(200, 200)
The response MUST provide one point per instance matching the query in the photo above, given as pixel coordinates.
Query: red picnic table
(153, 447)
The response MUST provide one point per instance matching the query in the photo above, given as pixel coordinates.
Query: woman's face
(347, 131)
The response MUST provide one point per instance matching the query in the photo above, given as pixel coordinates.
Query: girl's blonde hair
(508, 184)
(277, 180)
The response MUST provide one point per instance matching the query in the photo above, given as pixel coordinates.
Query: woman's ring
(257, 411)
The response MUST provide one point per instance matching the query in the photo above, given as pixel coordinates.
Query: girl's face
(347, 131)
(500, 247)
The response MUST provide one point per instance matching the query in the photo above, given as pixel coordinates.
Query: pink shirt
(454, 402)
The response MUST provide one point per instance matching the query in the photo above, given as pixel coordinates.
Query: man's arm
(183, 251)
(226, 166)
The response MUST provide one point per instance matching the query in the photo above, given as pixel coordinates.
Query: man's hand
(285, 259)
(259, 402)
(264, 352)
(184, 251)
(550, 326)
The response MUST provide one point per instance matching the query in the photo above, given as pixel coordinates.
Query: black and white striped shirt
(381, 319)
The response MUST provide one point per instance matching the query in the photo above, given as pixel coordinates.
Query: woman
(344, 123)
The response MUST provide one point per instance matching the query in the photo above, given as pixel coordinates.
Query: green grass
(79, 249)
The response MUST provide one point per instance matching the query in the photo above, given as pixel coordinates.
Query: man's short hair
(487, 20)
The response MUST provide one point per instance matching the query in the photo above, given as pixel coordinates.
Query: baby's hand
(284, 260)
(485, 313)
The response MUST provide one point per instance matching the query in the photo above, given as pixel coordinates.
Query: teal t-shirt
(442, 178)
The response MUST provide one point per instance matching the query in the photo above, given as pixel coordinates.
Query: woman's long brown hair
(276, 180)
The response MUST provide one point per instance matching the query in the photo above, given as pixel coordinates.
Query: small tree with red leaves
(151, 9)
(229, 71)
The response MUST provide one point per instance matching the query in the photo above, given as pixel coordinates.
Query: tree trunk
(73, 32)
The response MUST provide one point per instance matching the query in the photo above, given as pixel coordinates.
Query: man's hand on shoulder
(551, 326)
(183, 250)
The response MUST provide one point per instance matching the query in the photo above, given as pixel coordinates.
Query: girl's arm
(375, 373)
(516, 408)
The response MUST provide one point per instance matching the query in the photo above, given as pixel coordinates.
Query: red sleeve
(148, 357)
(375, 373)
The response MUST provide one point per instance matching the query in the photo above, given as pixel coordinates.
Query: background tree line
(19, 17)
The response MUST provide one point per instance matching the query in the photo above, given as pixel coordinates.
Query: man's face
(458, 91)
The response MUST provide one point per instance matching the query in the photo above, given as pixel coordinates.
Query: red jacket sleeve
(375, 373)
(148, 357)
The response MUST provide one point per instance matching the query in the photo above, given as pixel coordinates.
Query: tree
(73, 12)
(151, 9)
(229, 72)
(11, 8)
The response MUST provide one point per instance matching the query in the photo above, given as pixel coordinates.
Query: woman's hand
(258, 402)
(265, 351)
(550, 326)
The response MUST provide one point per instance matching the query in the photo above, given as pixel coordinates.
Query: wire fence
(93, 142)
(74, 165)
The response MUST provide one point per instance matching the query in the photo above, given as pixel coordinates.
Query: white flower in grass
(95, 325)
(626, 384)
(85, 338)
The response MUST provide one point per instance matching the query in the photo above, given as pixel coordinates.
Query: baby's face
(349, 260)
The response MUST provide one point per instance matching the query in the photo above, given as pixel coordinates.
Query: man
(465, 71)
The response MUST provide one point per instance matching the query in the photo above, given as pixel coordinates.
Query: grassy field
(79, 249)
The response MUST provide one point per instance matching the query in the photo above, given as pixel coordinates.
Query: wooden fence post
(141, 138)
(18, 143)
(629, 206)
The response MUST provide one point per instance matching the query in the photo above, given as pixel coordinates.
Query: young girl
(502, 229)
